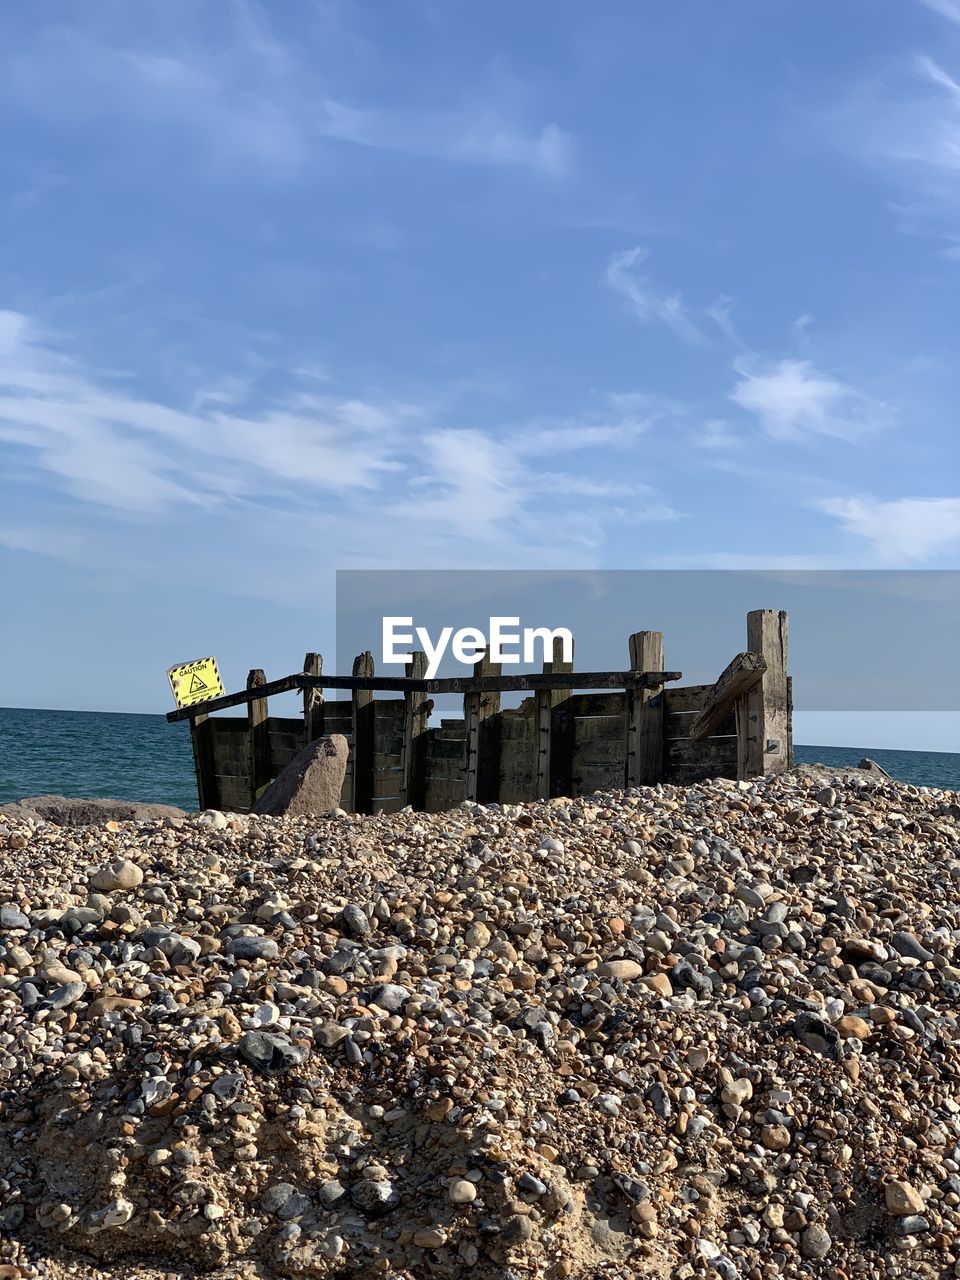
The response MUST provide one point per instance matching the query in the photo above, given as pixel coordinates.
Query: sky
(326, 285)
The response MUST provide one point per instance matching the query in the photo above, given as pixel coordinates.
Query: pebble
(676, 1031)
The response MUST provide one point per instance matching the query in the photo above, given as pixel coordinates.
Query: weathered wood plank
(527, 683)
(312, 700)
(481, 714)
(233, 794)
(361, 790)
(554, 744)
(737, 678)
(257, 725)
(712, 751)
(688, 697)
(644, 718)
(597, 704)
(204, 761)
(676, 724)
(416, 717)
(765, 718)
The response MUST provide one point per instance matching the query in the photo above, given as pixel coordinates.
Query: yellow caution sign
(194, 682)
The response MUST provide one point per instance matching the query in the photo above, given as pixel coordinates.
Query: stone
(902, 1199)
(122, 874)
(625, 969)
(311, 783)
(11, 918)
(285, 1201)
(245, 947)
(815, 1241)
(461, 1191)
(66, 811)
(271, 1054)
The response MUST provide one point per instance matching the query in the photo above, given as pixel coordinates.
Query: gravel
(672, 1032)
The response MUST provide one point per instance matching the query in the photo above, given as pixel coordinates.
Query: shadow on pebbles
(704, 1031)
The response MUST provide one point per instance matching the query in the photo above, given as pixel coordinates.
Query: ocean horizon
(142, 757)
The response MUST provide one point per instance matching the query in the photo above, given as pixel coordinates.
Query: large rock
(69, 811)
(311, 783)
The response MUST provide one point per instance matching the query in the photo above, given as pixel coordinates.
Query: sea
(142, 757)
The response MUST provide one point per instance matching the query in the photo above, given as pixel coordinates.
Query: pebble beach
(671, 1032)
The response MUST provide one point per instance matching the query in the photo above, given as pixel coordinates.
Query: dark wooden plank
(599, 729)
(676, 724)
(737, 679)
(481, 716)
(363, 735)
(688, 775)
(204, 761)
(233, 794)
(644, 736)
(458, 684)
(554, 744)
(257, 725)
(597, 704)
(445, 748)
(313, 727)
(712, 751)
(688, 697)
(416, 719)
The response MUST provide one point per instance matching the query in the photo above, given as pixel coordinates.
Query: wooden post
(644, 765)
(258, 748)
(554, 733)
(763, 715)
(481, 713)
(201, 737)
(361, 800)
(312, 701)
(416, 714)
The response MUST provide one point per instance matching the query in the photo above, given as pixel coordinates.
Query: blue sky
(292, 288)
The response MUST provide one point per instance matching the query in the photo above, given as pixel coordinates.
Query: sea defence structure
(576, 732)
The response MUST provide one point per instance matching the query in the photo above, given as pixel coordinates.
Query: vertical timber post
(312, 701)
(362, 707)
(258, 743)
(763, 715)
(554, 744)
(201, 736)
(481, 711)
(644, 765)
(416, 713)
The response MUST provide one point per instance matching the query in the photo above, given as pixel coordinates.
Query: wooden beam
(416, 718)
(528, 683)
(644, 762)
(554, 732)
(201, 738)
(764, 716)
(362, 709)
(480, 711)
(738, 678)
(312, 700)
(258, 741)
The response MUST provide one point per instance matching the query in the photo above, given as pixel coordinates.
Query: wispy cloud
(900, 530)
(949, 9)
(251, 98)
(647, 302)
(792, 400)
(361, 472)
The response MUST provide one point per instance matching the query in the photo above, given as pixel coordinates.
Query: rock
(311, 783)
(461, 1191)
(11, 918)
(122, 874)
(285, 1201)
(625, 970)
(850, 1025)
(815, 1241)
(66, 811)
(271, 1054)
(817, 1035)
(902, 1199)
(245, 947)
(355, 920)
(374, 1198)
(389, 996)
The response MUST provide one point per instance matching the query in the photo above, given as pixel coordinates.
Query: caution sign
(194, 682)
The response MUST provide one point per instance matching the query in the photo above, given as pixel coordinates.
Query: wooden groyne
(576, 733)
